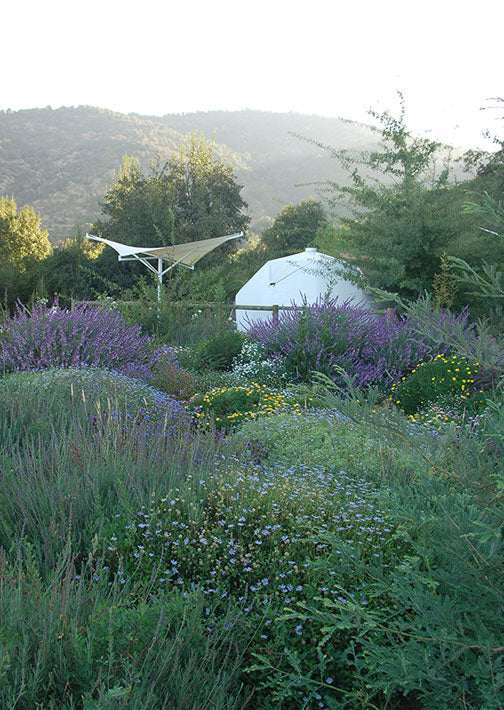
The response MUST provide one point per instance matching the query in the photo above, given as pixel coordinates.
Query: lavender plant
(46, 337)
(372, 349)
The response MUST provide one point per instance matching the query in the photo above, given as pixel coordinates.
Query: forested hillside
(61, 161)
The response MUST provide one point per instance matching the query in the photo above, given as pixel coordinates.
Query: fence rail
(198, 304)
(221, 304)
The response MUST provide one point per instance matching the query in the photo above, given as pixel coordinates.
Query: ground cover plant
(329, 556)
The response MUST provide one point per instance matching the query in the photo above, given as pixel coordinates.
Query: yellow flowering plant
(228, 406)
(429, 381)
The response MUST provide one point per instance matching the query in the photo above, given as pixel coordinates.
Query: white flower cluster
(252, 364)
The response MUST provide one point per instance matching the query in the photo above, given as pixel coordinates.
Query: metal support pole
(160, 281)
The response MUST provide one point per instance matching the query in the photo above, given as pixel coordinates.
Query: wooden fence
(233, 307)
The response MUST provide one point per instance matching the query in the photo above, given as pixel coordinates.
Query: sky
(331, 58)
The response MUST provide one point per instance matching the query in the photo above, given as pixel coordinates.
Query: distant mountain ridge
(61, 161)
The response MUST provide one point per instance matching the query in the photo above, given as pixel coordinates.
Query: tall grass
(70, 461)
(69, 638)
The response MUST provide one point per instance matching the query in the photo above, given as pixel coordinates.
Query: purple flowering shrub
(372, 349)
(89, 336)
(145, 370)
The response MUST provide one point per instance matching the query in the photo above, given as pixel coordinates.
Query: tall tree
(69, 270)
(405, 213)
(189, 197)
(21, 238)
(293, 229)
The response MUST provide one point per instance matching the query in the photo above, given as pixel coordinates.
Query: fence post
(275, 315)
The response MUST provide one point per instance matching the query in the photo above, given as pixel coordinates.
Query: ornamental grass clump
(329, 336)
(46, 337)
(228, 406)
(446, 376)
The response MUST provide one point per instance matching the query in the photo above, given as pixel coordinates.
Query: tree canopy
(189, 197)
(405, 212)
(21, 238)
(293, 229)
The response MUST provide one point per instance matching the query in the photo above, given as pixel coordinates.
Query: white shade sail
(180, 254)
(187, 254)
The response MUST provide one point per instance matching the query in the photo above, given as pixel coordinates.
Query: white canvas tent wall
(297, 279)
(181, 254)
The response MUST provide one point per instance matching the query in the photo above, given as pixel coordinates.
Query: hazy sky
(334, 58)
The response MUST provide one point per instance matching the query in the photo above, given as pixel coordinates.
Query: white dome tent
(296, 279)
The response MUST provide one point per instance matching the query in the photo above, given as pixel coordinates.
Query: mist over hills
(61, 161)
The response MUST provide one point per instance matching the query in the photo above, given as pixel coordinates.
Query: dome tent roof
(295, 279)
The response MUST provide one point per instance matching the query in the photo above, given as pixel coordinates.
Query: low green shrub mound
(446, 375)
(228, 406)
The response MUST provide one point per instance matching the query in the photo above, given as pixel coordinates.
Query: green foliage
(342, 557)
(169, 377)
(252, 364)
(84, 391)
(321, 438)
(219, 352)
(259, 539)
(81, 643)
(188, 197)
(489, 165)
(20, 235)
(229, 406)
(293, 229)
(68, 271)
(402, 222)
(444, 375)
(176, 319)
(23, 245)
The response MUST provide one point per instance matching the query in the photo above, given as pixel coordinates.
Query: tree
(21, 239)
(489, 166)
(189, 197)
(293, 229)
(23, 247)
(69, 270)
(405, 212)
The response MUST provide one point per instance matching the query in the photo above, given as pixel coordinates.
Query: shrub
(177, 322)
(231, 405)
(429, 381)
(219, 353)
(47, 337)
(372, 349)
(174, 380)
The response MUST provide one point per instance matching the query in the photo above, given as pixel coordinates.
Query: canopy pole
(159, 284)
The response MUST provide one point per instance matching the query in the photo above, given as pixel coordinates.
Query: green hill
(62, 160)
